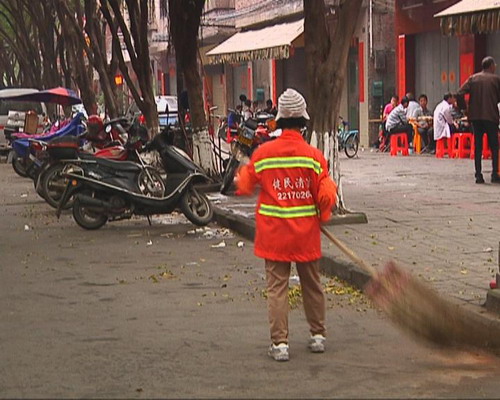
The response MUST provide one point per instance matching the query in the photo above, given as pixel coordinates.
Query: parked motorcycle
(105, 190)
(107, 140)
(20, 143)
(250, 134)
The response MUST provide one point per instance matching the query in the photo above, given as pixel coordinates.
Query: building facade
(267, 55)
(432, 59)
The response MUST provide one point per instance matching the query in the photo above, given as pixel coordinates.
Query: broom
(419, 310)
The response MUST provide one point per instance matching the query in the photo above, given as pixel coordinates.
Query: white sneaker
(317, 343)
(279, 352)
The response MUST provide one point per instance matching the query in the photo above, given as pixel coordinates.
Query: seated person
(234, 117)
(398, 123)
(389, 107)
(247, 110)
(270, 109)
(442, 117)
(460, 123)
(233, 120)
(383, 143)
(412, 106)
(424, 122)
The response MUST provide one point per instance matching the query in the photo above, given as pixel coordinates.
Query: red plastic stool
(399, 143)
(443, 147)
(486, 148)
(461, 145)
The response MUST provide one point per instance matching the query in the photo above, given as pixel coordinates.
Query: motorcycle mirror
(243, 98)
(108, 128)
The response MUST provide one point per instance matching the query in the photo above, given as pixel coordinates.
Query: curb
(493, 300)
(485, 318)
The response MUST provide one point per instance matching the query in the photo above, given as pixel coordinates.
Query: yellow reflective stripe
(288, 212)
(288, 162)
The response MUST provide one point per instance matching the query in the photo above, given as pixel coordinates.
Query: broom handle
(349, 253)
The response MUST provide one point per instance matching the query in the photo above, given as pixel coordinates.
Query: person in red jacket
(296, 195)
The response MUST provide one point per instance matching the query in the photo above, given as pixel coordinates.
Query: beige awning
(470, 17)
(272, 42)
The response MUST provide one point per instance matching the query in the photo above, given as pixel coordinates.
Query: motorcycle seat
(127, 166)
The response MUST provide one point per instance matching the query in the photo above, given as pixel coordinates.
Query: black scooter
(105, 190)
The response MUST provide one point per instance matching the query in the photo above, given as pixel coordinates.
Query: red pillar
(361, 71)
(273, 82)
(401, 66)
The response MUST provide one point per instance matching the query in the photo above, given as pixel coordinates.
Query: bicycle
(348, 139)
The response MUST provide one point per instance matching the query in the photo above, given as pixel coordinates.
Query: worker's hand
(244, 160)
(326, 222)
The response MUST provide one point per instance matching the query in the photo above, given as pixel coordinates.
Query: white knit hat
(291, 104)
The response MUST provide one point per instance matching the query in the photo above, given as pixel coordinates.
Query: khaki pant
(277, 274)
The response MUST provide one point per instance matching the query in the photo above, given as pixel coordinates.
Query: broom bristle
(421, 311)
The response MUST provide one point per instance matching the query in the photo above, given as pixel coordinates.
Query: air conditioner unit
(380, 60)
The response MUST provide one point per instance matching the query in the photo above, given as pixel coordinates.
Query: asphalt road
(139, 311)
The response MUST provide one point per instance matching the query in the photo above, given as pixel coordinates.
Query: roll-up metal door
(218, 93)
(240, 82)
(493, 46)
(436, 66)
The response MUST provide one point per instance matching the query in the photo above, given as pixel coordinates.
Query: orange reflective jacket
(296, 194)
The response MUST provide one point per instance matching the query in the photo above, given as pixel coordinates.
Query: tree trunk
(326, 64)
(136, 41)
(184, 18)
(99, 57)
(44, 22)
(75, 53)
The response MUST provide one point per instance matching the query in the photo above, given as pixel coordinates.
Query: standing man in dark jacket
(483, 114)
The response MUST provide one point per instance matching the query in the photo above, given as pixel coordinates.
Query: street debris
(293, 280)
(149, 243)
(26, 227)
(219, 245)
(174, 218)
(208, 234)
(192, 263)
(24, 195)
(240, 244)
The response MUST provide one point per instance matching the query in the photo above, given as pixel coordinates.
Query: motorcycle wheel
(19, 167)
(53, 185)
(196, 207)
(154, 187)
(228, 177)
(86, 218)
(351, 146)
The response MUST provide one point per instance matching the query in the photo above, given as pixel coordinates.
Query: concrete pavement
(428, 214)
